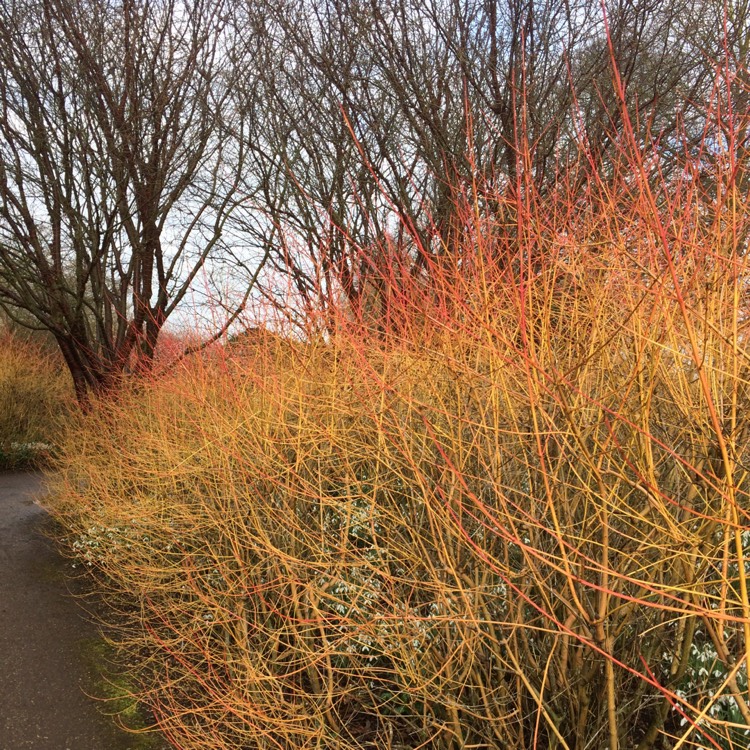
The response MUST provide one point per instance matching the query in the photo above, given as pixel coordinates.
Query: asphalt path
(45, 684)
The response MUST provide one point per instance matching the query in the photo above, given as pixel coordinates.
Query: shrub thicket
(502, 501)
(35, 396)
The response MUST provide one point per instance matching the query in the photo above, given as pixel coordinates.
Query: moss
(111, 685)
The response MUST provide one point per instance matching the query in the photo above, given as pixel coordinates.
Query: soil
(47, 673)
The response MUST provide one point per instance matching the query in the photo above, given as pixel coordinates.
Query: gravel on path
(43, 677)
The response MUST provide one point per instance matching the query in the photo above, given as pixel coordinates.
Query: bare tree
(118, 170)
(134, 136)
(364, 109)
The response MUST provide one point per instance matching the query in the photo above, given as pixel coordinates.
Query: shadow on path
(43, 678)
